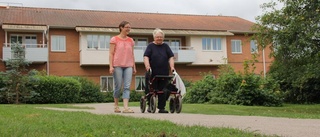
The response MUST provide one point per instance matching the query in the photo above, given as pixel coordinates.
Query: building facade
(67, 42)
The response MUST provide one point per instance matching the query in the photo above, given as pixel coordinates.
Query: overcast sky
(246, 9)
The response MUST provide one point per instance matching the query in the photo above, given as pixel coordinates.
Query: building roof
(111, 19)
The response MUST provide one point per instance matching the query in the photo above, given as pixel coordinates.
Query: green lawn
(29, 121)
(288, 110)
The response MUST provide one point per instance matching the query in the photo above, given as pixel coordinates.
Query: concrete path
(285, 127)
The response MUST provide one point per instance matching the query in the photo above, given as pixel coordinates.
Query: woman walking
(122, 65)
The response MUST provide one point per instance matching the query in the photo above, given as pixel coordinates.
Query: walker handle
(174, 72)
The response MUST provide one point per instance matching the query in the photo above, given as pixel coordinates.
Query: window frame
(96, 40)
(102, 84)
(235, 48)
(215, 44)
(136, 41)
(31, 41)
(59, 38)
(142, 82)
(174, 48)
(255, 44)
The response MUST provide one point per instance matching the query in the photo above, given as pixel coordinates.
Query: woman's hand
(172, 69)
(134, 71)
(147, 68)
(111, 70)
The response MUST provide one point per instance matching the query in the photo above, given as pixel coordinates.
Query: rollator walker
(172, 93)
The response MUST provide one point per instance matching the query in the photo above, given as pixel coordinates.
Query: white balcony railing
(181, 54)
(101, 57)
(33, 52)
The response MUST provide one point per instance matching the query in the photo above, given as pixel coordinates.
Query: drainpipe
(47, 37)
(43, 35)
(264, 64)
(6, 38)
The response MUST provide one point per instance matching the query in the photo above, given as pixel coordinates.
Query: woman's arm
(134, 63)
(146, 62)
(111, 55)
(171, 63)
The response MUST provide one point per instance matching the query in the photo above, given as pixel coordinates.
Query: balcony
(101, 56)
(33, 52)
(181, 54)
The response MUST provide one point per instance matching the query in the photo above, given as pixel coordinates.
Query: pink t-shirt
(123, 52)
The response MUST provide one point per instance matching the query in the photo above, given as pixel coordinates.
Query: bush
(198, 92)
(254, 91)
(135, 96)
(90, 91)
(225, 89)
(54, 89)
(2, 91)
(249, 89)
(108, 96)
(236, 89)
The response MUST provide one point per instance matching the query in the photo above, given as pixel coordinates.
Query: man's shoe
(163, 111)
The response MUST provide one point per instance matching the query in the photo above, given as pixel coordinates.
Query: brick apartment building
(67, 42)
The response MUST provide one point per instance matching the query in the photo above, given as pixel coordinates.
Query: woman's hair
(157, 30)
(122, 24)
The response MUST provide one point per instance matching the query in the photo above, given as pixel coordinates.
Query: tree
(15, 78)
(293, 33)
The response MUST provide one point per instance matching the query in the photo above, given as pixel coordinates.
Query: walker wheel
(142, 104)
(178, 103)
(153, 103)
(172, 105)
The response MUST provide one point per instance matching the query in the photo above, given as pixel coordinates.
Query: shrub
(135, 96)
(54, 89)
(2, 89)
(248, 89)
(225, 89)
(90, 91)
(108, 96)
(198, 92)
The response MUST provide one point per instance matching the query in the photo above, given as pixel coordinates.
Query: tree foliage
(293, 34)
(15, 78)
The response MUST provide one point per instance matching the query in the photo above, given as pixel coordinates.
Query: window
(31, 41)
(106, 83)
(98, 41)
(211, 44)
(253, 46)
(140, 83)
(236, 46)
(140, 43)
(104, 41)
(58, 43)
(174, 44)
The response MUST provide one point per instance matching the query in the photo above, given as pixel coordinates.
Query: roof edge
(150, 31)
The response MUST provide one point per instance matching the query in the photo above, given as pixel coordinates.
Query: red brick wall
(237, 60)
(68, 63)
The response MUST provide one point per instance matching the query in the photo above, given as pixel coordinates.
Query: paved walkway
(285, 127)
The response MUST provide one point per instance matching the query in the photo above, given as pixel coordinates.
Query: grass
(287, 111)
(28, 121)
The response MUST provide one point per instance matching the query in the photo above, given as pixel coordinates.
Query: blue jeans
(122, 75)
